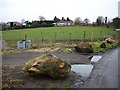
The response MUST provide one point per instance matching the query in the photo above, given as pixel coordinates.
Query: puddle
(82, 69)
(96, 58)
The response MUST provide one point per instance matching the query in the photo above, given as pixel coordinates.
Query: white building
(64, 23)
(119, 9)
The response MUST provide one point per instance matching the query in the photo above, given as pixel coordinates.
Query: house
(64, 23)
(14, 23)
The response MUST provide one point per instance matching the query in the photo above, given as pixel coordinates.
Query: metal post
(70, 36)
(100, 35)
(55, 36)
(92, 37)
(84, 35)
(25, 40)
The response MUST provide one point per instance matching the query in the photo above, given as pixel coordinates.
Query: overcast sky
(15, 10)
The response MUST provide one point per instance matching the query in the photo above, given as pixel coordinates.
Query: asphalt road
(105, 73)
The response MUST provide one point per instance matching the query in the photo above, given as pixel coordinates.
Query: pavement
(105, 74)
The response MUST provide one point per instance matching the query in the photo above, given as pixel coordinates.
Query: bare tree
(41, 18)
(77, 21)
(100, 20)
(22, 20)
(86, 21)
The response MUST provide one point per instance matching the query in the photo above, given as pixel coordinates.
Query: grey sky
(15, 10)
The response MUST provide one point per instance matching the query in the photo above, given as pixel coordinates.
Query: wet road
(105, 73)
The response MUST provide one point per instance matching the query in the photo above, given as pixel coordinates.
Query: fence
(43, 39)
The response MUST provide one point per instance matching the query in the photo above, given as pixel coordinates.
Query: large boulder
(84, 47)
(48, 65)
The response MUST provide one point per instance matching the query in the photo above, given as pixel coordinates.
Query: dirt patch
(14, 76)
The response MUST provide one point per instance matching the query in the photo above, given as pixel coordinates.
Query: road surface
(105, 73)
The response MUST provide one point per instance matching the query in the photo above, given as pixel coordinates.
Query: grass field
(56, 33)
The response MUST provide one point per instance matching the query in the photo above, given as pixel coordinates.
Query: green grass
(55, 33)
(97, 49)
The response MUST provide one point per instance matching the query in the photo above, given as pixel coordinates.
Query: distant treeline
(36, 24)
(100, 21)
(33, 24)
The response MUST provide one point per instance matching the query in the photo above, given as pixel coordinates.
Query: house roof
(15, 22)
